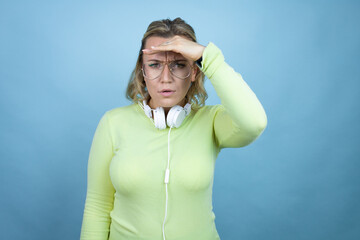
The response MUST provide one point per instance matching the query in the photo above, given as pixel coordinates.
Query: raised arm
(241, 118)
(100, 191)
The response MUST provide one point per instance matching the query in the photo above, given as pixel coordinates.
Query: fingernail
(153, 47)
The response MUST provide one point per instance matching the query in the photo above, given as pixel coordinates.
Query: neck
(166, 109)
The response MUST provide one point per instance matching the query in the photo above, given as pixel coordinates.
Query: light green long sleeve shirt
(128, 157)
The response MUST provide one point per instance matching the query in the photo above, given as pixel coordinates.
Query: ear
(194, 73)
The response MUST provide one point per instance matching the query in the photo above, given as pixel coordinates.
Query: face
(166, 90)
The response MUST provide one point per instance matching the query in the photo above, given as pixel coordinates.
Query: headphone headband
(175, 116)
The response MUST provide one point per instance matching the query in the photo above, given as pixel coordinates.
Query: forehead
(155, 41)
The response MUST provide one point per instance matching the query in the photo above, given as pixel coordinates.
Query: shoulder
(209, 110)
(119, 113)
(121, 110)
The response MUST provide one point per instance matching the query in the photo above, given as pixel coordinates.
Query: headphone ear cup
(147, 111)
(159, 118)
(187, 109)
(175, 116)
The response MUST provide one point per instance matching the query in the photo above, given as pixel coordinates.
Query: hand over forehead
(178, 44)
(163, 56)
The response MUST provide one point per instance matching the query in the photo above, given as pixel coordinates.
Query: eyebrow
(157, 60)
(157, 57)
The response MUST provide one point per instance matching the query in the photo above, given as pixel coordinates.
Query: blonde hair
(136, 89)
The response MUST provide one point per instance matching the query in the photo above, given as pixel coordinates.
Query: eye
(154, 65)
(179, 64)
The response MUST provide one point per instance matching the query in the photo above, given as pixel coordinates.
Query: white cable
(169, 148)
(166, 180)
(163, 227)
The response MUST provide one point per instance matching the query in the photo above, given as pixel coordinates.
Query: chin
(168, 103)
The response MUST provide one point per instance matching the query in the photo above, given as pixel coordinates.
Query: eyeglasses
(179, 68)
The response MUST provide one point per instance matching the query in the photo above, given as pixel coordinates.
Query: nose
(166, 74)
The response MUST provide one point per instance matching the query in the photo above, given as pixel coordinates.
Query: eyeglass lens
(153, 69)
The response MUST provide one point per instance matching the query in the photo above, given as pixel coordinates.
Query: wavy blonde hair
(166, 28)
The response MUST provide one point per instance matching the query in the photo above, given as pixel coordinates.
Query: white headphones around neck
(175, 116)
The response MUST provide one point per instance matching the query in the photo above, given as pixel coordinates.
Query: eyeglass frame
(167, 63)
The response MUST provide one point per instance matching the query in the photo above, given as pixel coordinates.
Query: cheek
(185, 86)
(150, 87)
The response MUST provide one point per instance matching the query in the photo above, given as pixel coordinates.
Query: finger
(150, 51)
(165, 43)
(166, 47)
(169, 45)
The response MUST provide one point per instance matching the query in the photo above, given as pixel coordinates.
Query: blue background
(64, 63)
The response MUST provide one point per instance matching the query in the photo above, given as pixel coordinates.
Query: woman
(148, 179)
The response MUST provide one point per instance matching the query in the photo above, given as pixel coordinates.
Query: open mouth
(167, 92)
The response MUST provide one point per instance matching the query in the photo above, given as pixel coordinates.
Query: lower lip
(167, 94)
